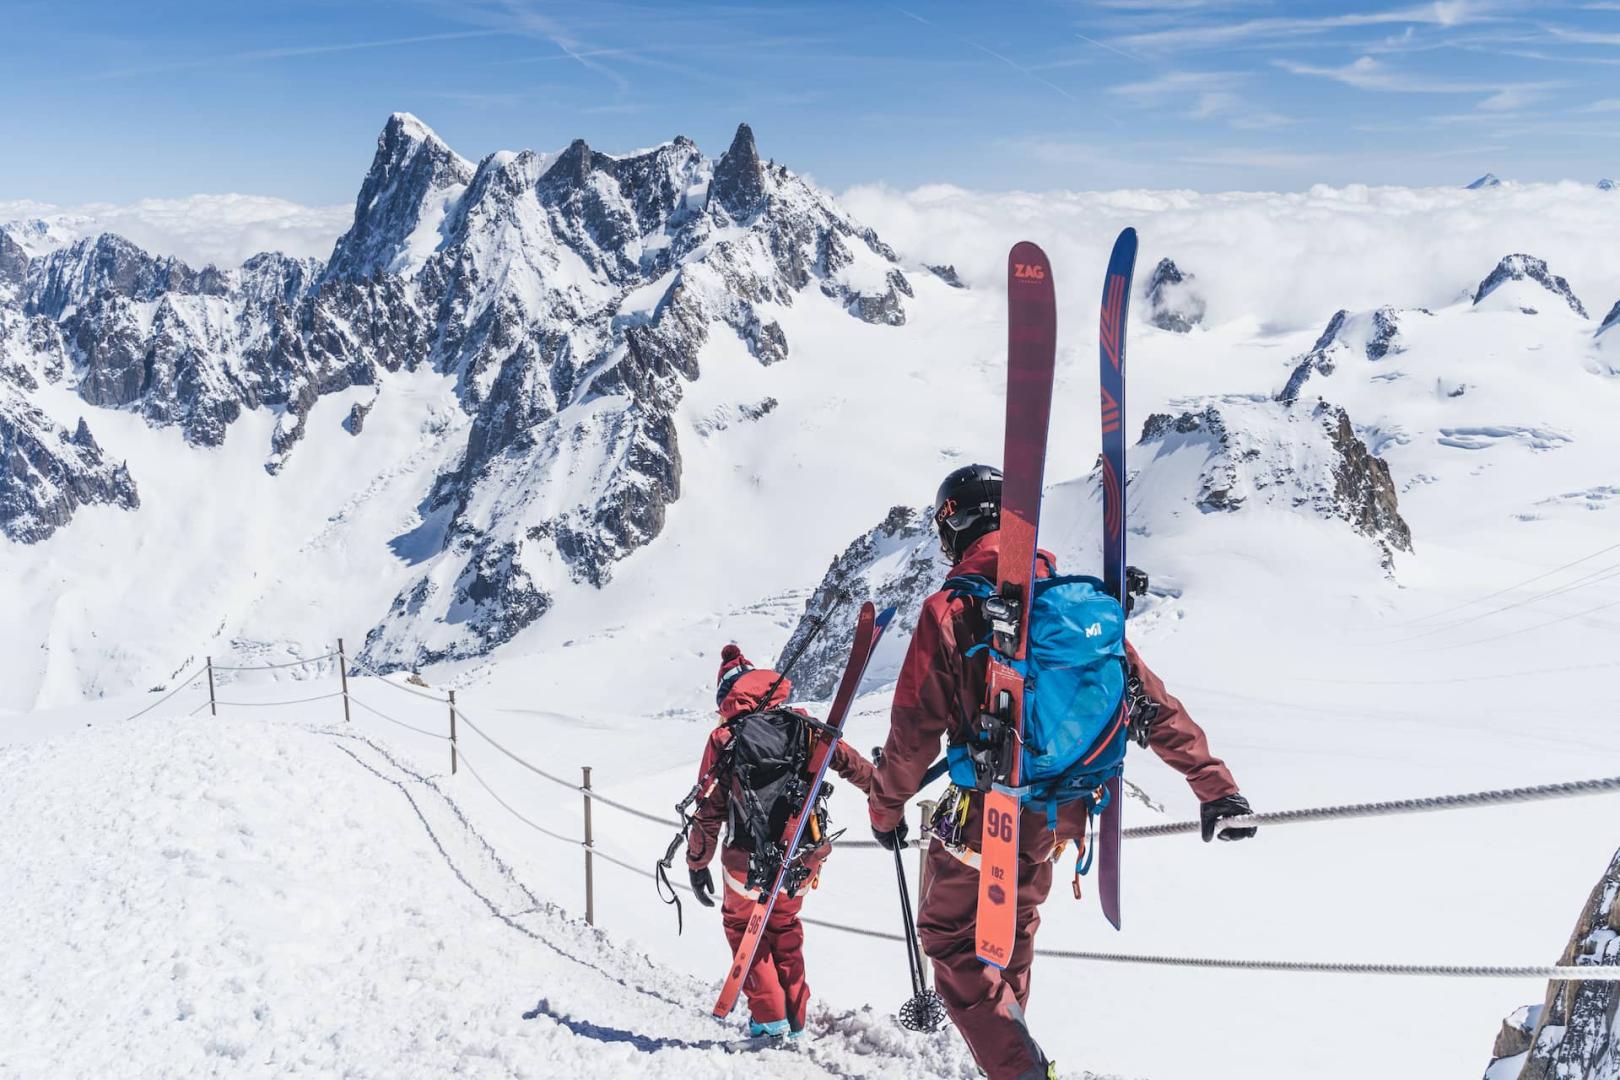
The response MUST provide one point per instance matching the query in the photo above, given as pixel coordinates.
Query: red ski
(1031, 360)
(868, 630)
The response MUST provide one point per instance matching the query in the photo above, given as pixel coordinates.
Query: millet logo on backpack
(1029, 271)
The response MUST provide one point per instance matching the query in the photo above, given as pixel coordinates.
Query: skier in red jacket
(778, 996)
(938, 691)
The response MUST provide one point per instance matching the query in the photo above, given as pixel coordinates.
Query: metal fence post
(212, 709)
(452, 733)
(343, 674)
(590, 884)
(926, 811)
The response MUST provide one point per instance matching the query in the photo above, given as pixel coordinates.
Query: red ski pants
(986, 1005)
(775, 985)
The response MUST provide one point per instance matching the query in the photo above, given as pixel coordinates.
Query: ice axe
(923, 1011)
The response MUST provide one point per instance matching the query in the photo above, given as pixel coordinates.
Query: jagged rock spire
(412, 166)
(739, 179)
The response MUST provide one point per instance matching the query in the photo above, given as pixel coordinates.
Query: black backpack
(769, 778)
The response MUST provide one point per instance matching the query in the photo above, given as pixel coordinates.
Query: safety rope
(466, 764)
(273, 704)
(587, 792)
(408, 727)
(199, 673)
(1536, 793)
(273, 667)
(359, 663)
(1580, 973)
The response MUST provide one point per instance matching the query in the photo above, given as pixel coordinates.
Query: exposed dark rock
(1489, 180)
(1610, 320)
(850, 581)
(1575, 1033)
(738, 186)
(1319, 360)
(1385, 331)
(356, 420)
(13, 261)
(947, 273)
(1173, 302)
(47, 474)
(411, 168)
(1252, 456)
(1606, 185)
(1528, 268)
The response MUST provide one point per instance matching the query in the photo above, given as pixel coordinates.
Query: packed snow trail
(192, 897)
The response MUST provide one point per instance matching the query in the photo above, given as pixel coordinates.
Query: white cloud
(1445, 14)
(200, 229)
(1285, 259)
(1368, 73)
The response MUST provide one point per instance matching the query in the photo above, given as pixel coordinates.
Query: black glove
(892, 839)
(702, 886)
(1211, 814)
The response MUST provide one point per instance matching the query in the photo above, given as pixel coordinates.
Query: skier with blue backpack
(1092, 678)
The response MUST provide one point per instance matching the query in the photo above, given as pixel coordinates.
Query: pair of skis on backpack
(1031, 366)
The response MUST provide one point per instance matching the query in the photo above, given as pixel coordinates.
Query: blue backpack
(1074, 691)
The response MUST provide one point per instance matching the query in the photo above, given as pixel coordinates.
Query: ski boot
(771, 1029)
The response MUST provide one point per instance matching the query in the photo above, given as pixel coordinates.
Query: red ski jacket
(939, 693)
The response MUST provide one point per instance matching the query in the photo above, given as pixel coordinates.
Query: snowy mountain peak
(1528, 268)
(1174, 303)
(412, 184)
(1374, 334)
(739, 183)
(1606, 185)
(1612, 319)
(1489, 180)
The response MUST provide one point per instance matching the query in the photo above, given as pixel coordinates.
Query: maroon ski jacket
(940, 692)
(746, 696)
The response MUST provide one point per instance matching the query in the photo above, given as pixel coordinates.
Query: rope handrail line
(273, 667)
(391, 720)
(589, 793)
(514, 812)
(195, 675)
(1536, 793)
(359, 663)
(271, 704)
(1563, 972)
(1587, 973)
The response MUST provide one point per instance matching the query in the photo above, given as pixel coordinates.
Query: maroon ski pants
(986, 1005)
(775, 985)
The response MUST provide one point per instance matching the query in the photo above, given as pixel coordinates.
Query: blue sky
(117, 100)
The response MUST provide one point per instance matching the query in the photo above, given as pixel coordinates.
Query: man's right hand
(702, 885)
(891, 839)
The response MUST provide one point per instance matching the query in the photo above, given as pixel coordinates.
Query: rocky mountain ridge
(567, 294)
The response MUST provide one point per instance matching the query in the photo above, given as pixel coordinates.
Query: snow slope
(1323, 671)
(272, 899)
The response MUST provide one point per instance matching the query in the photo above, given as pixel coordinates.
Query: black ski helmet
(967, 505)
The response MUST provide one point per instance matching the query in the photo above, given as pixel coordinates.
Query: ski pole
(923, 1011)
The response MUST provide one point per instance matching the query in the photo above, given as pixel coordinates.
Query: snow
(275, 898)
(1321, 677)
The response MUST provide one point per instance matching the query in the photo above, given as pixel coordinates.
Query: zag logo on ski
(869, 627)
(1031, 363)
(1111, 376)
